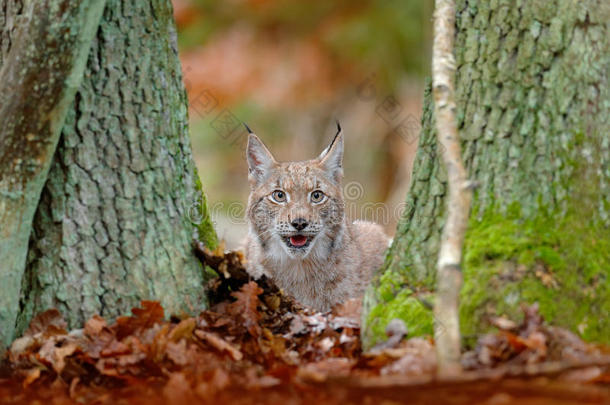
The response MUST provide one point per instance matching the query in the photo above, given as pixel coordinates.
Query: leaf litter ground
(255, 345)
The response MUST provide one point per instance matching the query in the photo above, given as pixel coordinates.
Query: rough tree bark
(43, 50)
(533, 107)
(115, 220)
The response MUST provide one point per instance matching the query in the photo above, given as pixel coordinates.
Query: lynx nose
(299, 224)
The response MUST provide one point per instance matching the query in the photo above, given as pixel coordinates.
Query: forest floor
(254, 345)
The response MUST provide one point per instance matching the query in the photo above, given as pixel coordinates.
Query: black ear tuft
(331, 158)
(247, 128)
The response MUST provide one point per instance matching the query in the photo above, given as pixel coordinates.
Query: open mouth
(297, 241)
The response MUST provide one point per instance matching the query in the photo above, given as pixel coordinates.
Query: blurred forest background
(289, 69)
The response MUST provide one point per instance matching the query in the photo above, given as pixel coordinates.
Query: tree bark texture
(533, 107)
(122, 200)
(43, 50)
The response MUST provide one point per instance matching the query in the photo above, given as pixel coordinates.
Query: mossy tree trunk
(122, 198)
(43, 50)
(533, 107)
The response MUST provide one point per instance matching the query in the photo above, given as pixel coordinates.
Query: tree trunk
(533, 108)
(122, 199)
(43, 50)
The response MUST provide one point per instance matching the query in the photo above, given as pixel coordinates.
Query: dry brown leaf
(246, 307)
(352, 308)
(146, 317)
(95, 325)
(54, 353)
(184, 330)
(418, 358)
(49, 322)
(503, 323)
(177, 352)
(319, 371)
(115, 348)
(218, 343)
(31, 376)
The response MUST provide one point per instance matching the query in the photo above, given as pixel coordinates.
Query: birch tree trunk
(115, 220)
(459, 196)
(533, 107)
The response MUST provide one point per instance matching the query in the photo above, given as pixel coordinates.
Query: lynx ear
(260, 160)
(331, 159)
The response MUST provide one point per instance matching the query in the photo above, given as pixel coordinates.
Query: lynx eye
(279, 196)
(317, 197)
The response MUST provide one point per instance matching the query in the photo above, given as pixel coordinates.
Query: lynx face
(295, 209)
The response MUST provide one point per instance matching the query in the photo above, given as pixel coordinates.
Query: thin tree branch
(449, 275)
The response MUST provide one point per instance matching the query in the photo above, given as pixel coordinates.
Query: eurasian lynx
(299, 235)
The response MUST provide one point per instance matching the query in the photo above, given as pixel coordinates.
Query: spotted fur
(339, 257)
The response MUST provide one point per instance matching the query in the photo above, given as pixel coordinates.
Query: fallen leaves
(49, 322)
(256, 345)
(150, 314)
(219, 344)
(245, 307)
(527, 343)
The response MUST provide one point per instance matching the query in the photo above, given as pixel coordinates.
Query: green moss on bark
(202, 219)
(533, 107)
(563, 263)
(411, 307)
